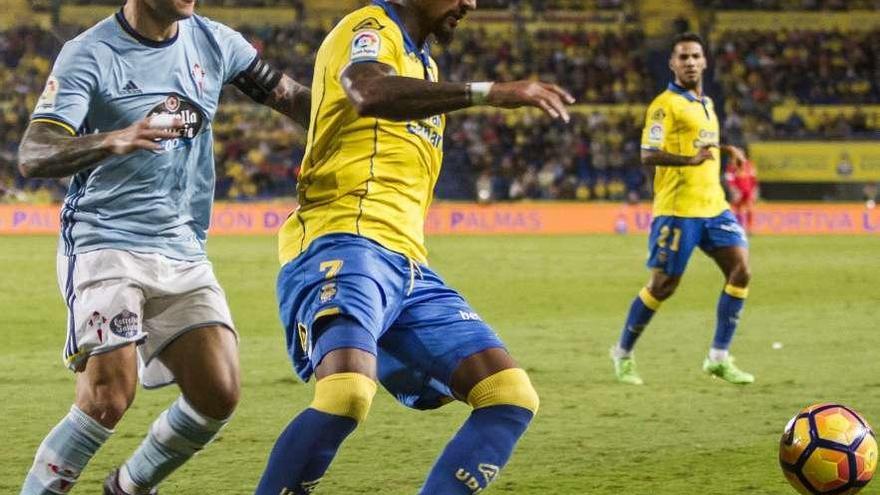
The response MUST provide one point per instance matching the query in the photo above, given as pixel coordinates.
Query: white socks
(718, 355)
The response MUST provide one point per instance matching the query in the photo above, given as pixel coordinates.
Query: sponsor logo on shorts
(125, 324)
(328, 292)
(734, 229)
(469, 315)
(97, 322)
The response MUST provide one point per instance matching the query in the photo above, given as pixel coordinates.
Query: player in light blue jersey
(127, 113)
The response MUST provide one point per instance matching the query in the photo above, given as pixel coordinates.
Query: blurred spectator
(297, 4)
(597, 67)
(527, 156)
(790, 4)
(759, 70)
(541, 6)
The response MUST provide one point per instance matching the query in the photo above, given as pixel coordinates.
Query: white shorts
(117, 297)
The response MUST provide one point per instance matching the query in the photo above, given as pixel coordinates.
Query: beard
(689, 83)
(444, 35)
(444, 30)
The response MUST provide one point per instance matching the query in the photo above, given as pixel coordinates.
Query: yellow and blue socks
(730, 305)
(305, 449)
(64, 453)
(504, 405)
(303, 452)
(640, 312)
(175, 436)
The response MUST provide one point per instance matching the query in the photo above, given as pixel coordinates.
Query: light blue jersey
(110, 77)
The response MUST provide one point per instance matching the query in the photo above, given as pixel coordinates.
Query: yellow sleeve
(658, 125)
(375, 43)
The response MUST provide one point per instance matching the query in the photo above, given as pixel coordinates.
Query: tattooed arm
(291, 99)
(269, 86)
(49, 151)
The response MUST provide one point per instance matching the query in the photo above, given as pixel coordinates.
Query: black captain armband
(258, 80)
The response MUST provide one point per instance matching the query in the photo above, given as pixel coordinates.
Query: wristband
(478, 92)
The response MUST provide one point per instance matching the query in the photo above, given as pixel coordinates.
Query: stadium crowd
(296, 4)
(258, 152)
(543, 5)
(790, 4)
(526, 156)
(759, 70)
(596, 67)
(500, 158)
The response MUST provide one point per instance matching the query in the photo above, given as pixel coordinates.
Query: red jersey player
(743, 184)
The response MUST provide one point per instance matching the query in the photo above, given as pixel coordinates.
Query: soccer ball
(828, 449)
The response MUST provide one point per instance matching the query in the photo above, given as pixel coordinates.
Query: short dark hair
(690, 36)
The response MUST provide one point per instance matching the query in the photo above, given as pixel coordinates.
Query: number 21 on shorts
(664, 236)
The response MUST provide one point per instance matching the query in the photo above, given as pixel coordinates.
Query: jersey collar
(410, 45)
(142, 39)
(675, 88)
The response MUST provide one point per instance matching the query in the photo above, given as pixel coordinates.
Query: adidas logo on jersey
(131, 88)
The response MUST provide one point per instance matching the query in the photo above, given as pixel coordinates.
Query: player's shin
(640, 312)
(175, 436)
(504, 404)
(64, 453)
(730, 305)
(305, 449)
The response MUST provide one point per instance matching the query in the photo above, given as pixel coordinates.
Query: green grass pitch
(559, 303)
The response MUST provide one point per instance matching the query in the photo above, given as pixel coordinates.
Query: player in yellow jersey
(681, 140)
(358, 301)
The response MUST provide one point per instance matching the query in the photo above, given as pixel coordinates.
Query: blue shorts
(673, 239)
(418, 328)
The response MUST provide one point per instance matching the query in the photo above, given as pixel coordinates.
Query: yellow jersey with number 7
(679, 123)
(363, 175)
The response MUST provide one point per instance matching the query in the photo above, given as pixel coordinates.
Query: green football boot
(625, 369)
(727, 371)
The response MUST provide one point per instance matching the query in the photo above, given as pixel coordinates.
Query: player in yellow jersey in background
(681, 140)
(357, 298)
